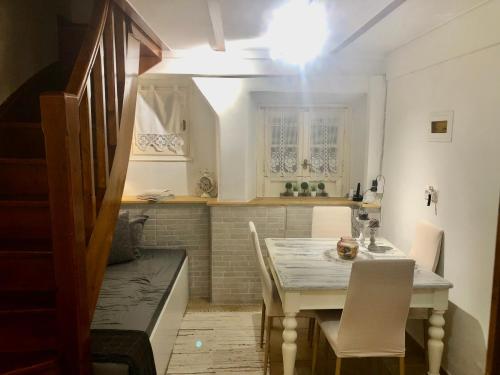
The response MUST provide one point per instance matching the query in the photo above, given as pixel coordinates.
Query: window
(161, 124)
(303, 144)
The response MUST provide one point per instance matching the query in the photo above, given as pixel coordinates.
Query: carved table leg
(289, 347)
(435, 343)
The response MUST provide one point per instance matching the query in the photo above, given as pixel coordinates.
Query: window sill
(165, 158)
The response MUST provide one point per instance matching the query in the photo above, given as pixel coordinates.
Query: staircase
(27, 282)
(64, 143)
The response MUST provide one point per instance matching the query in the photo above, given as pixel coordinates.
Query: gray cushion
(122, 249)
(136, 228)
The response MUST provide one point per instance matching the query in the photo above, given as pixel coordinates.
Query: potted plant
(295, 190)
(321, 188)
(305, 187)
(288, 191)
(313, 190)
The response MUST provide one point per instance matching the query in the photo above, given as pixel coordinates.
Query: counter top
(179, 199)
(271, 201)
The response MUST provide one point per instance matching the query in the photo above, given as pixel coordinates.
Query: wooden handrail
(88, 52)
(100, 242)
(88, 134)
(138, 20)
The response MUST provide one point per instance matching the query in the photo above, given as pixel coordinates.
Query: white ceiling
(186, 24)
(409, 21)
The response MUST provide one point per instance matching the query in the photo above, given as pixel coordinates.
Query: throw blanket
(123, 346)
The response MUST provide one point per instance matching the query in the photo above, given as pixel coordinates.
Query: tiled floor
(221, 340)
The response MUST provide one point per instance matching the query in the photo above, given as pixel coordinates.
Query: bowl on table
(347, 248)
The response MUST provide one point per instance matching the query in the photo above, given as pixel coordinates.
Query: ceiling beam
(393, 5)
(215, 13)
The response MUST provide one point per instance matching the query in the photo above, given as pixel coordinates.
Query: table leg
(435, 344)
(289, 347)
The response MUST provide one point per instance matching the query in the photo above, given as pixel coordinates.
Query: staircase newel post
(61, 127)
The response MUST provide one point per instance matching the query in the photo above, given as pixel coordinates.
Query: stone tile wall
(235, 277)
(184, 225)
(298, 221)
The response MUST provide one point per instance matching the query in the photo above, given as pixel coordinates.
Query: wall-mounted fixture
(440, 127)
(431, 196)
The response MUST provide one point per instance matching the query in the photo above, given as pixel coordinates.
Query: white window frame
(264, 179)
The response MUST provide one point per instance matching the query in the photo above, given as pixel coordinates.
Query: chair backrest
(265, 278)
(331, 222)
(374, 318)
(426, 246)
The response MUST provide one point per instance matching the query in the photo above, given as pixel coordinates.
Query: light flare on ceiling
(298, 31)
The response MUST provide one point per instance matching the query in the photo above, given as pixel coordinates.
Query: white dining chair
(331, 222)
(271, 302)
(426, 247)
(373, 321)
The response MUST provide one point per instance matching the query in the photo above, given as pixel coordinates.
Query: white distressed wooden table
(310, 276)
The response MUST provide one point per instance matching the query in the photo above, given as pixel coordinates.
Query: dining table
(310, 275)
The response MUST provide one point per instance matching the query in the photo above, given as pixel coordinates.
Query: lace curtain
(159, 120)
(323, 145)
(296, 134)
(284, 143)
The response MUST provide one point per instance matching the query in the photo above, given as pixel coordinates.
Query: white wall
(180, 176)
(455, 67)
(375, 128)
(232, 103)
(359, 139)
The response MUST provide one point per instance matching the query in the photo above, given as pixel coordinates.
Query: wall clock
(206, 184)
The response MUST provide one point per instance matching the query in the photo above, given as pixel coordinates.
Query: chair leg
(317, 333)
(268, 343)
(425, 324)
(310, 331)
(338, 362)
(262, 323)
(402, 366)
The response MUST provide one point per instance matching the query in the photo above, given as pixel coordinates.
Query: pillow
(136, 227)
(122, 249)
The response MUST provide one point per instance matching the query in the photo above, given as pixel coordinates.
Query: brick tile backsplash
(222, 262)
(235, 277)
(186, 226)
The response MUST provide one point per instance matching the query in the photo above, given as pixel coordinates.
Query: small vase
(295, 193)
(313, 193)
(372, 246)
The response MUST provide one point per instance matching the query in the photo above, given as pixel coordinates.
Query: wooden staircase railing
(88, 132)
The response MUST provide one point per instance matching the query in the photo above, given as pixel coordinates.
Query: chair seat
(329, 321)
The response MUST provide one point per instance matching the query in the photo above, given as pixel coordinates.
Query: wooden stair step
(26, 244)
(23, 177)
(25, 219)
(28, 330)
(21, 140)
(40, 363)
(27, 299)
(26, 271)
